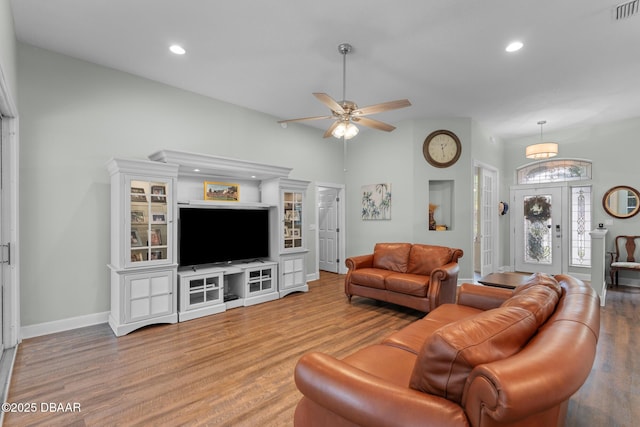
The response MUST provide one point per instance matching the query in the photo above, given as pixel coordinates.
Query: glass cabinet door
(149, 221)
(292, 211)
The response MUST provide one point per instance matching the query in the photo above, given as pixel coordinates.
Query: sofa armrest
(482, 297)
(361, 261)
(443, 285)
(365, 399)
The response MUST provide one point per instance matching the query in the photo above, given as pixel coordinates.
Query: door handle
(6, 260)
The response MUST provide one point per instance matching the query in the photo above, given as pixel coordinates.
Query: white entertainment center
(149, 284)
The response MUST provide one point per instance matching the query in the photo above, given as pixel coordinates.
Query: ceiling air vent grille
(628, 9)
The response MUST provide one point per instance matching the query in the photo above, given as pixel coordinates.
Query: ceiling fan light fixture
(346, 130)
(344, 112)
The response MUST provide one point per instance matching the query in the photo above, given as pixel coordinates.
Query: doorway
(538, 229)
(330, 214)
(485, 247)
(9, 250)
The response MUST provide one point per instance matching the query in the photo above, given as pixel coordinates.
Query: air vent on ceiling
(627, 10)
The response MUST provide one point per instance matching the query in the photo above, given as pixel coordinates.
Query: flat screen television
(216, 235)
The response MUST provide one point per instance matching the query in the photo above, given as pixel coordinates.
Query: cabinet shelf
(143, 269)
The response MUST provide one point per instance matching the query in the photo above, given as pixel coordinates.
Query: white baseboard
(626, 281)
(40, 329)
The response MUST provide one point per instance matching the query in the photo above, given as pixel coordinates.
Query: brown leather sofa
(412, 275)
(496, 358)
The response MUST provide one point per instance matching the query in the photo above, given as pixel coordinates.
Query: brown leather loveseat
(496, 358)
(412, 275)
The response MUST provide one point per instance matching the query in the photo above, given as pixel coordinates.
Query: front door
(537, 224)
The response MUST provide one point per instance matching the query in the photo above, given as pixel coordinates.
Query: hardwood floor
(236, 368)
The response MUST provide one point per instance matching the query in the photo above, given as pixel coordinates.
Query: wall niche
(441, 194)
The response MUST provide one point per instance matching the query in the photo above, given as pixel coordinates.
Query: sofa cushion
(413, 336)
(539, 300)
(539, 279)
(392, 364)
(449, 355)
(370, 277)
(410, 284)
(391, 256)
(423, 259)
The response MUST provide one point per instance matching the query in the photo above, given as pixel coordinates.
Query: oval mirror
(621, 201)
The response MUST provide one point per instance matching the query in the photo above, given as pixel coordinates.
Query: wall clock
(441, 148)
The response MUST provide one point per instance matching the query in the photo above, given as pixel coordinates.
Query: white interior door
(9, 220)
(488, 221)
(328, 229)
(4, 243)
(537, 224)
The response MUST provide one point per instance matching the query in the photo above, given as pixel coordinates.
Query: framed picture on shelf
(221, 191)
(158, 218)
(295, 232)
(156, 255)
(158, 194)
(137, 217)
(135, 238)
(156, 237)
(136, 256)
(287, 232)
(137, 195)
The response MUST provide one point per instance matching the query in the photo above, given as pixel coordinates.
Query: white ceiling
(578, 65)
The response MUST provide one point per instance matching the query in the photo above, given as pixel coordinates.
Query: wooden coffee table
(504, 280)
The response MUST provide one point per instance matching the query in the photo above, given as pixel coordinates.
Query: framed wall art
(221, 191)
(376, 202)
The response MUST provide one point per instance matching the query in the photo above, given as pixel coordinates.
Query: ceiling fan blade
(329, 102)
(379, 108)
(329, 131)
(373, 124)
(305, 118)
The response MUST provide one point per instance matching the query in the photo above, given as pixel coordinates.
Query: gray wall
(8, 48)
(74, 116)
(397, 158)
(614, 150)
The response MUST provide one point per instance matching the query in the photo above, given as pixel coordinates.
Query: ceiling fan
(346, 113)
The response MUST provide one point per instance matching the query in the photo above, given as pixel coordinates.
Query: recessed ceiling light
(514, 46)
(177, 49)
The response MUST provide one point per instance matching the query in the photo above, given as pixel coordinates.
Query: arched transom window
(560, 170)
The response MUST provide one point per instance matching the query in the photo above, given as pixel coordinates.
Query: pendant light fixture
(543, 150)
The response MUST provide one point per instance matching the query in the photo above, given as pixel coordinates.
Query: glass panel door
(292, 206)
(538, 237)
(537, 227)
(149, 235)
